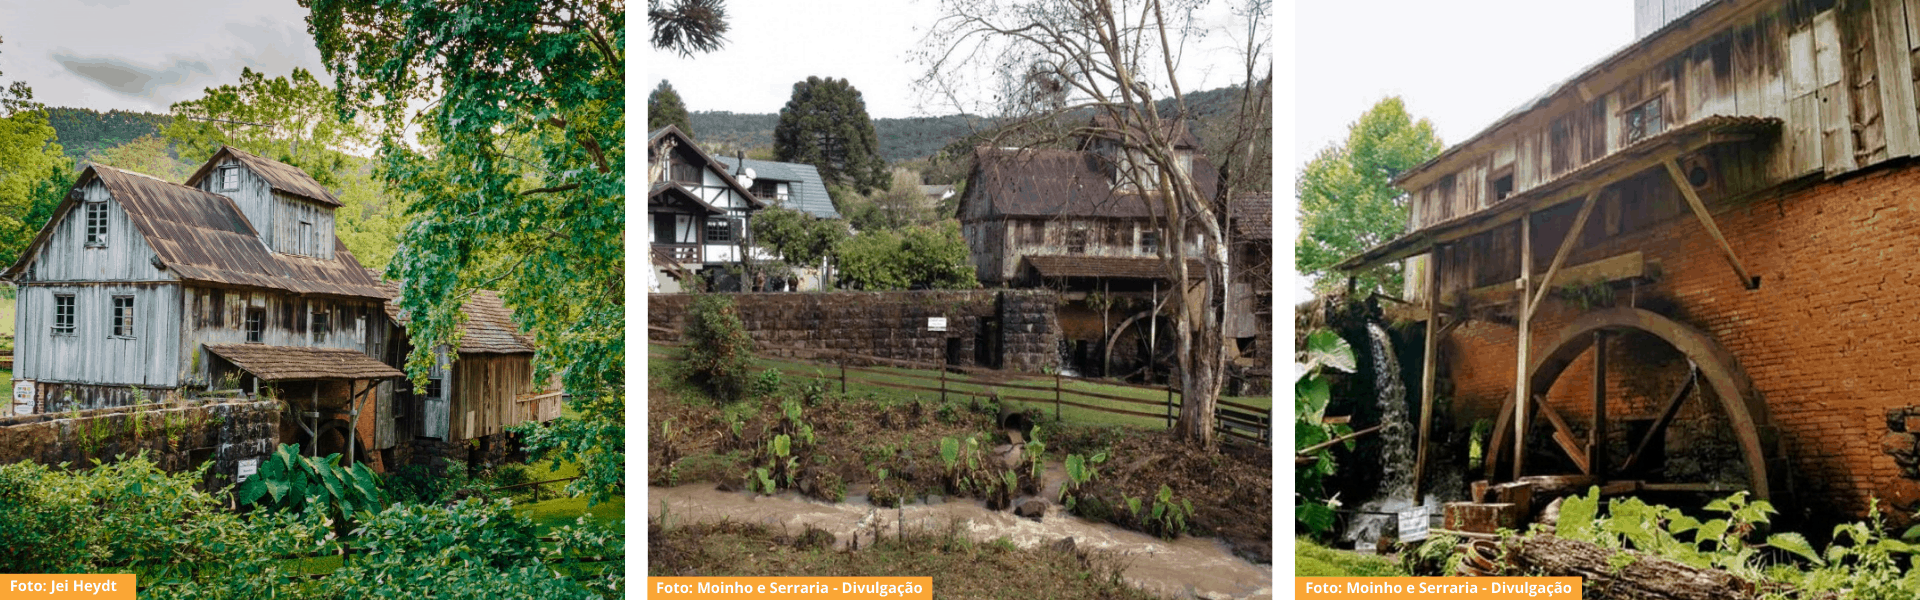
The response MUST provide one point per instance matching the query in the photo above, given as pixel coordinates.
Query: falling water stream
(1187, 567)
(1397, 448)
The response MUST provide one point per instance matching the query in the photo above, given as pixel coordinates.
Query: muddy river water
(1189, 567)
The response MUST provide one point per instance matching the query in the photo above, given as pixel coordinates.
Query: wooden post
(313, 405)
(1056, 395)
(843, 372)
(1524, 340)
(353, 420)
(1428, 370)
(1597, 442)
(943, 384)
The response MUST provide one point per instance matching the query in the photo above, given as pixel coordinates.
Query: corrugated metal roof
(201, 236)
(1062, 183)
(489, 328)
(808, 192)
(285, 178)
(283, 363)
(1052, 266)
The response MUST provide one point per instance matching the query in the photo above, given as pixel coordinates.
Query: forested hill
(84, 130)
(900, 139)
(903, 139)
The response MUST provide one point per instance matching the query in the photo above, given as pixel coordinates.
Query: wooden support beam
(1427, 374)
(1329, 443)
(1667, 413)
(1597, 434)
(1563, 434)
(1566, 247)
(1525, 341)
(1706, 221)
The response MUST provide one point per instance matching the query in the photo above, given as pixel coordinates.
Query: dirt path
(1185, 568)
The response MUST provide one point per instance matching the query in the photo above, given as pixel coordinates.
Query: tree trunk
(1644, 578)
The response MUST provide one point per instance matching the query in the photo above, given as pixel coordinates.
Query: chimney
(740, 159)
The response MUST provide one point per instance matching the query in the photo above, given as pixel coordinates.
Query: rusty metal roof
(285, 178)
(201, 236)
(489, 328)
(1253, 216)
(1053, 266)
(1063, 183)
(283, 363)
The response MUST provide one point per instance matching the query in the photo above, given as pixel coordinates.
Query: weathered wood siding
(434, 422)
(219, 316)
(66, 256)
(484, 388)
(1027, 237)
(254, 197)
(91, 355)
(987, 242)
(302, 227)
(1839, 75)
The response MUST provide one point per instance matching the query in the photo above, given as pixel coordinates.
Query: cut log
(1644, 578)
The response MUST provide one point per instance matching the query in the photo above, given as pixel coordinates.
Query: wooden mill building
(1682, 270)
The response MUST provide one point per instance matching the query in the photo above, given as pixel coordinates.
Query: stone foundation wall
(178, 437)
(894, 324)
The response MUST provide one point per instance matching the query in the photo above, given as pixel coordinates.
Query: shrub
(718, 348)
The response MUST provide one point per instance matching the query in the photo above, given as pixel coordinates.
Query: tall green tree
(688, 26)
(33, 169)
(914, 257)
(825, 124)
(517, 183)
(665, 108)
(1347, 200)
(800, 239)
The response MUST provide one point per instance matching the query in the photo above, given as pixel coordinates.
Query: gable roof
(807, 191)
(489, 328)
(202, 236)
(282, 363)
(682, 140)
(667, 192)
(1062, 183)
(284, 178)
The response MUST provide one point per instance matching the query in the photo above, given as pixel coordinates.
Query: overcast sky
(771, 44)
(147, 54)
(1460, 64)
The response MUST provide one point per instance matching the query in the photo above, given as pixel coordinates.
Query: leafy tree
(900, 204)
(825, 124)
(688, 26)
(30, 160)
(800, 239)
(146, 154)
(718, 348)
(516, 181)
(914, 257)
(664, 108)
(17, 97)
(1347, 200)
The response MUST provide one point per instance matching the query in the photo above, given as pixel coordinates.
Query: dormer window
(1643, 121)
(96, 224)
(230, 178)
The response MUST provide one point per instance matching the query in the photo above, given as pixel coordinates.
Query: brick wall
(1829, 338)
(891, 324)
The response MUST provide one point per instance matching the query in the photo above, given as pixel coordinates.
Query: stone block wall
(177, 436)
(1829, 337)
(892, 324)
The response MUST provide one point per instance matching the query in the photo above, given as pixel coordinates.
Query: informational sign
(936, 323)
(22, 397)
(1414, 524)
(247, 468)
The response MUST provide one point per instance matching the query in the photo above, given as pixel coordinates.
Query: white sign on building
(936, 323)
(1414, 524)
(22, 397)
(247, 468)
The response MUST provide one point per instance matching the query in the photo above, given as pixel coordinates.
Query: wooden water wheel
(1712, 366)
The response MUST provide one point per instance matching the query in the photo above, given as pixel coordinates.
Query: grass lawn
(792, 370)
(1314, 560)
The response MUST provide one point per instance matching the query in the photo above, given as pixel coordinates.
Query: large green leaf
(1326, 349)
(1795, 543)
(1577, 515)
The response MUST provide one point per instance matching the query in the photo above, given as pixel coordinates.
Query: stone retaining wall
(177, 436)
(895, 324)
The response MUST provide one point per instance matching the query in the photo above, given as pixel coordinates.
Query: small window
(306, 244)
(1502, 187)
(1150, 242)
(1077, 241)
(686, 173)
(433, 387)
(719, 231)
(1644, 120)
(63, 314)
(96, 224)
(256, 324)
(123, 316)
(319, 328)
(230, 179)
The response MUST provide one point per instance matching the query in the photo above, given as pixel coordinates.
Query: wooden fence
(1233, 419)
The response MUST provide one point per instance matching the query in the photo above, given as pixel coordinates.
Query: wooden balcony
(681, 253)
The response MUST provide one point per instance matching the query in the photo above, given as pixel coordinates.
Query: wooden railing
(683, 253)
(1238, 420)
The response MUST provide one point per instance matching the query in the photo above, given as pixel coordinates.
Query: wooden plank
(1563, 435)
(1566, 247)
(1895, 65)
(1836, 113)
(1706, 221)
(1597, 434)
(1523, 345)
(1427, 376)
(1614, 268)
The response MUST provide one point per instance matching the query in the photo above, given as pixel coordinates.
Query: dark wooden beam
(1524, 339)
(1427, 371)
(1597, 435)
(1566, 247)
(1706, 221)
(1667, 413)
(1563, 434)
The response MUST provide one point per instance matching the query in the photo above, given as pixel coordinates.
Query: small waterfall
(1396, 437)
